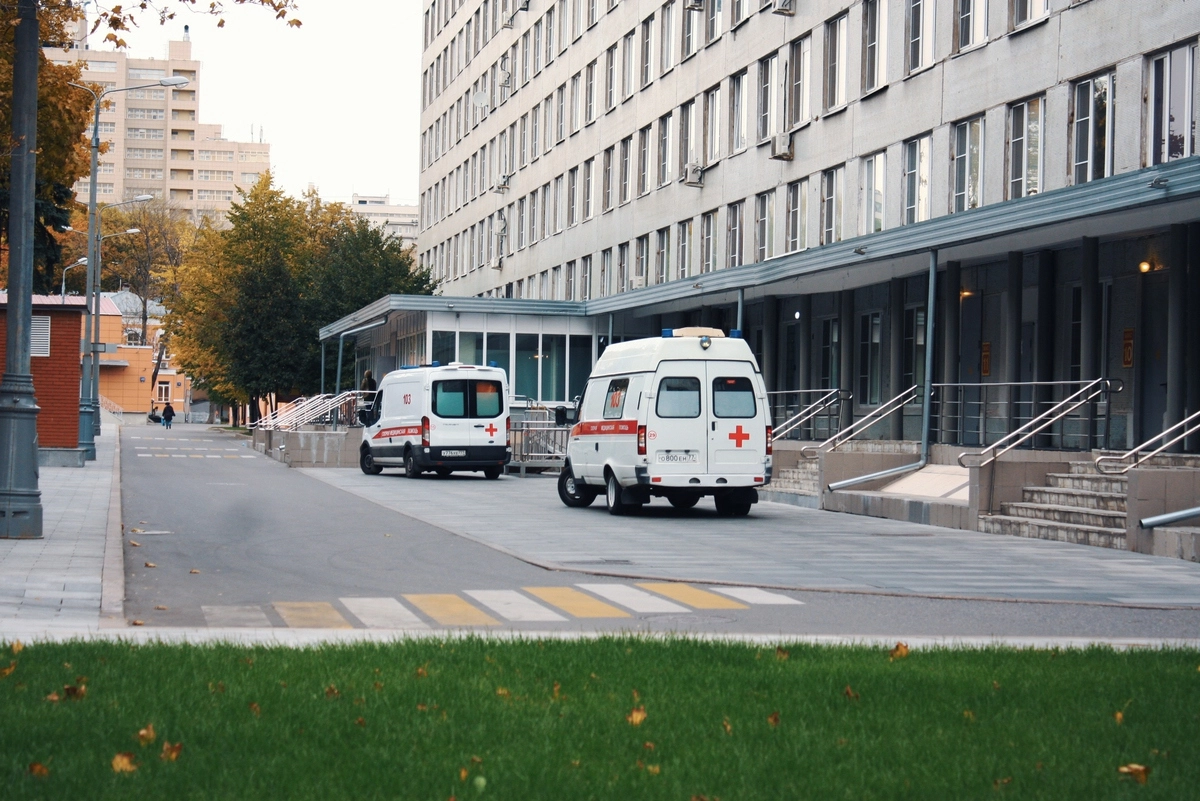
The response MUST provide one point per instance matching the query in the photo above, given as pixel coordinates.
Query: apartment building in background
(393, 219)
(157, 143)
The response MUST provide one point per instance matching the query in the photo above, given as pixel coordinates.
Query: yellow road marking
(450, 610)
(574, 602)
(310, 615)
(692, 596)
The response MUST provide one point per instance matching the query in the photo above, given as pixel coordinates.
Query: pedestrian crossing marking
(450, 610)
(692, 596)
(310, 615)
(633, 598)
(514, 606)
(235, 617)
(574, 602)
(753, 595)
(383, 613)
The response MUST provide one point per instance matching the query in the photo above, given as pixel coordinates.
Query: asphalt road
(276, 547)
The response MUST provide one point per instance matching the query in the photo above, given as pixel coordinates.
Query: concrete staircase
(803, 479)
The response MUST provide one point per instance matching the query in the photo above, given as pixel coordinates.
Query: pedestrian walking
(368, 383)
(168, 414)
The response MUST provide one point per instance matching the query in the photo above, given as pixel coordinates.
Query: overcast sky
(338, 99)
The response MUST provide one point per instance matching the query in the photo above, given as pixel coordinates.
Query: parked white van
(681, 417)
(439, 418)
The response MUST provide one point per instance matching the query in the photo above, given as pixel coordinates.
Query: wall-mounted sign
(985, 359)
(1127, 348)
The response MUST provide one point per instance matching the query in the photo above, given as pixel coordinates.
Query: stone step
(1048, 530)
(1182, 460)
(1073, 515)
(1078, 498)
(1095, 483)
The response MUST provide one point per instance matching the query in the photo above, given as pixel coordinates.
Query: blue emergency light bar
(668, 333)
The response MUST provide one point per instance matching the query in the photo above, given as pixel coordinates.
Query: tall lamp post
(88, 396)
(78, 263)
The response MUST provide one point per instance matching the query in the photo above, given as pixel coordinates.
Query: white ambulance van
(440, 419)
(680, 417)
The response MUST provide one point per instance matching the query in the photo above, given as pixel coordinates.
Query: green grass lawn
(479, 719)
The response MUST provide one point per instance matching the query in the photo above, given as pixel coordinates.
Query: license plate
(676, 457)
(453, 453)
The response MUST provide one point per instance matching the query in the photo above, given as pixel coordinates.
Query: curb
(112, 581)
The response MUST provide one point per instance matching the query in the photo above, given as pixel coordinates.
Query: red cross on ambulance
(739, 436)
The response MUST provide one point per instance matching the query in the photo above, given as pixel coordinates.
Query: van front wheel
(366, 463)
(573, 494)
(612, 497)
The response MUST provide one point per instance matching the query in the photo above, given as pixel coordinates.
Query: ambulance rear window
(614, 399)
(733, 396)
(467, 398)
(678, 397)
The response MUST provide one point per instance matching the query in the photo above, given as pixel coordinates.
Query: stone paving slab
(777, 546)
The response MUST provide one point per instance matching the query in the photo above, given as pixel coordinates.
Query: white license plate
(686, 457)
(454, 453)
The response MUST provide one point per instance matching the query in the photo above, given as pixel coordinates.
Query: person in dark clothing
(368, 382)
(168, 414)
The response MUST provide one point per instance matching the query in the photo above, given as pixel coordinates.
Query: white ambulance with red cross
(439, 419)
(679, 417)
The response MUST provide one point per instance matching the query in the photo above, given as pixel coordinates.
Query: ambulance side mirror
(560, 416)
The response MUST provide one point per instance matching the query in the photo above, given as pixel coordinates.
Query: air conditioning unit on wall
(783, 7)
(693, 175)
(781, 147)
(501, 183)
(693, 5)
(637, 282)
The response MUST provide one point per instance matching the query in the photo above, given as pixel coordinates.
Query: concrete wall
(1158, 491)
(311, 448)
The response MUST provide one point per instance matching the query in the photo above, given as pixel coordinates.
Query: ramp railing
(1118, 465)
(803, 407)
(848, 433)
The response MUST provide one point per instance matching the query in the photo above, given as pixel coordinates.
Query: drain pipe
(1169, 518)
(926, 390)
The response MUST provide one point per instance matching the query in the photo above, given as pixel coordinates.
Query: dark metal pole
(1176, 331)
(322, 367)
(87, 410)
(20, 498)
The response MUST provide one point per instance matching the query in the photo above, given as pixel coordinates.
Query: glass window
(678, 397)
(450, 398)
(869, 350)
(470, 347)
(797, 215)
(1092, 131)
(614, 399)
(874, 44)
(581, 365)
(1025, 148)
(920, 34)
(737, 112)
(1172, 128)
(554, 367)
(798, 69)
(968, 164)
(443, 347)
(733, 397)
(836, 65)
(972, 23)
(873, 187)
(497, 351)
(916, 180)
(527, 365)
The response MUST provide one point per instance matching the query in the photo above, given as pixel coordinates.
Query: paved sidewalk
(57, 583)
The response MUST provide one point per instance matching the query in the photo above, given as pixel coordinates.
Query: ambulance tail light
(770, 447)
(424, 432)
(641, 440)
(508, 431)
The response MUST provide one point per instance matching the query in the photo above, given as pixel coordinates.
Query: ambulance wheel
(683, 502)
(410, 466)
(612, 497)
(576, 496)
(366, 463)
(727, 508)
(443, 472)
(492, 473)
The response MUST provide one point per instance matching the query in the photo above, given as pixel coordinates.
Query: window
(831, 205)
(642, 257)
(647, 43)
(737, 11)
(968, 164)
(614, 398)
(626, 167)
(708, 245)
(585, 278)
(688, 43)
(687, 137)
(870, 334)
(735, 254)
(831, 354)
(733, 397)
(1092, 128)
(874, 172)
(764, 226)
(627, 66)
(678, 397)
(796, 234)
(560, 108)
(916, 179)
(767, 100)
(622, 267)
(576, 101)
(1025, 148)
(712, 20)
(589, 93)
(467, 398)
(537, 46)
(588, 169)
(662, 256)
(666, 38)
(914, 346)
(737, 112)
(798, 73)
(533, 217)
(683, 249)
(524, 137)
(605, 272)
(712, 125)
(535, 118)
(835, 62)
(664, 150)
(920, 34)
(971, 29)
(643, 165)
(874, 70)
(1024, 11)
(1172, 129)
(606, 192)
(610, 78)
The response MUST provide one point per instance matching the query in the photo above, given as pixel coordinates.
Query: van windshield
(733, 396)
(462, 398)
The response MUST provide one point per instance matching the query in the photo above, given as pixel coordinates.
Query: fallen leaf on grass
(636, 716)
(853, 696)
(193, 570)
(995, 685)
(6, 672)
(18, 647)
(1119, 717)
(463, 773)
(998, 783)
(332, 692)
(653, 770)
(151, 564)
(574, 763)
(75, 693)
(39, 770)
(139, 622)
(781, 654)
(53, 698)
(842, 742)
(146, 736)
(899, 652)
(256, 709)
(421, 707)
(360, 722)
(773, 719)
(1139, 772)
(969, 715)
(170, 752)
(124, 763)
(649, 746)
(134, 544)
(378, 686)
(503, 692)
(557, 687)
(421, 672)
(219, 688)
(136, 530)
(727, 726)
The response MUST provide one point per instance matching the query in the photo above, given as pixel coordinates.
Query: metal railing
(1169, 518)
(113, 409)
(318, 410)
(862, 424)
(272, 421)
(539, 442)
(978, 415)
(1089, 393)
(803, 411)
(1190, 425)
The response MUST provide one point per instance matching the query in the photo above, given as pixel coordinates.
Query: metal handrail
(815, 408)
(1169, 518)
(1190, 426)
(113, 409)
(327, 406)
(274, 419)
(1085, 395)
(895, 404)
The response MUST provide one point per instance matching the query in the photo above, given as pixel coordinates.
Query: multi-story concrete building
(392, 218)
(157, 144)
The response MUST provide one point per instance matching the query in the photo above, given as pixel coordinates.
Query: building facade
(393, 219)
(157, 144)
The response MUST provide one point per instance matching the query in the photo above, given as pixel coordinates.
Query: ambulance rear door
(677, 419)
(485, 407)
(737, 427)
(449, 427)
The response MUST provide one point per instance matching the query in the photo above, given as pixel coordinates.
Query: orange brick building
(127, 381)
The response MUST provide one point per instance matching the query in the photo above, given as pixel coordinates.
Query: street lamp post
(78, 263)
(89, 417)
